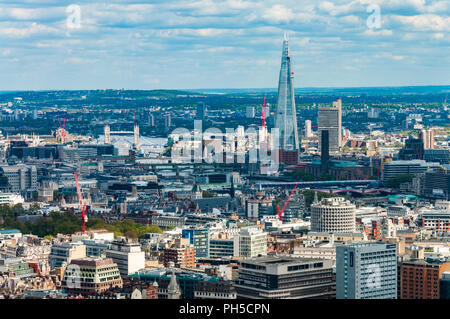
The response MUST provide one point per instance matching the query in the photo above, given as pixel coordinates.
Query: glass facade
(285, 116)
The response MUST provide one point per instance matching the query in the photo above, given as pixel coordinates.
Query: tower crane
(280, 212)
(263, 114)
(63, 130)
(83, 208)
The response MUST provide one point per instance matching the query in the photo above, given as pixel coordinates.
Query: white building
(21, 177)
(251, 242)
(308, 130)
(11, 199)
(333, 215)
(128, 256)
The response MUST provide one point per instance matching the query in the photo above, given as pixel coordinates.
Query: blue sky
(176, 44)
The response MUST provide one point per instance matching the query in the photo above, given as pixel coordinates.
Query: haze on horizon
(202, 44)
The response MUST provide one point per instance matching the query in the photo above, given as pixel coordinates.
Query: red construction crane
(263, 115)
(63, 130)
(280, 212)
(83, 207)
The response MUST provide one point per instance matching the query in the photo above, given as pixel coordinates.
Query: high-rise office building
(414, 149)
(427, 137)
(285, 115)
(151, 119)
(330, 119)
(250, 112)
(167, 120)
(325, 151)
(334, 214)
(366, 271)
(201, 111)
(308, 130)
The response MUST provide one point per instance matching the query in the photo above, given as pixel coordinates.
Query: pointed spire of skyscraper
(285, 116)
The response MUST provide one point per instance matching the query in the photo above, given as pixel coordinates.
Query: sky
(194, 44)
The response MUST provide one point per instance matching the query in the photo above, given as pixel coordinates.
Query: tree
(399, 179)
(309, 196)
(131, 234)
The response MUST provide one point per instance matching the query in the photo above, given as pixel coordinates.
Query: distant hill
(338, 91)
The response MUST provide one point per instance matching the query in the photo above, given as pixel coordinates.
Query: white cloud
(34, 28)
(278, 13)
(372, 32)
(424, 22)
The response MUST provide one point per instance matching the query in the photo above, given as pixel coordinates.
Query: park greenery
(68, 223)
(309, 196)
(396, 181)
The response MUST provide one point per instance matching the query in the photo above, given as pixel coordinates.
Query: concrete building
(167, 120)
(89, 276)
(11, 199)
(308, 130)
(394, 168)
(258, 207)
(250, 112)
(96, 247)
(330, 119)
(20, 177)
(127, 255)
(222, 248)
(285, 278)
(65, 253)
(427, 137)
(366, 271)
(436, 219)
(334, 214)
(252, 242)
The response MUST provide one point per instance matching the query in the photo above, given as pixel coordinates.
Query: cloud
(217, 43)
(278, 14)
(372, 32)
(424, 22)
(32, 29)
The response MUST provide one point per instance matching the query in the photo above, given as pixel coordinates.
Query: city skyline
(227, 44)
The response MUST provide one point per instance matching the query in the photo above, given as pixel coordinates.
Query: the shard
(285, 117)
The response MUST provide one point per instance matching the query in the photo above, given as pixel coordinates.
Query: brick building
(420, 279)
(182, 254)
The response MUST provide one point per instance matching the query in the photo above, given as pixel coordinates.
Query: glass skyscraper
(285, 116)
